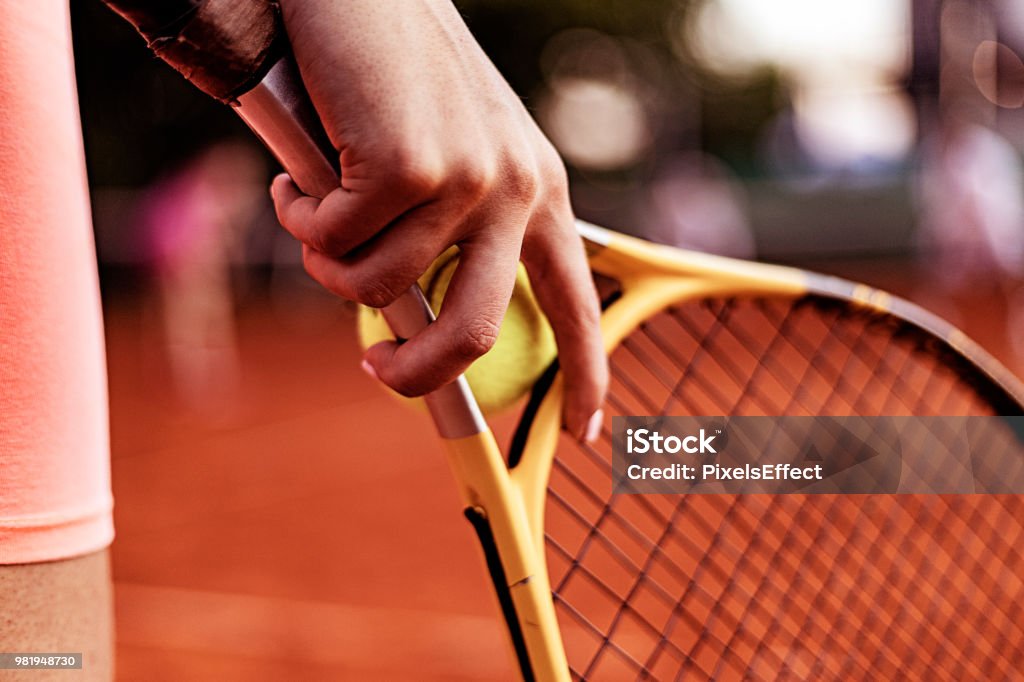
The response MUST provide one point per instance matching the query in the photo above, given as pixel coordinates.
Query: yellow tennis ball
(524, 349)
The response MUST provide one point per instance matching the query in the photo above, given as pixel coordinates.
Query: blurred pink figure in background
(972, 208)
(972, 217)
(195, 219)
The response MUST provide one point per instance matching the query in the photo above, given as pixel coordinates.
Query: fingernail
(370, 371)
(594, 426)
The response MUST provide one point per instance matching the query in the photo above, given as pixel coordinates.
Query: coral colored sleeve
(54, 454)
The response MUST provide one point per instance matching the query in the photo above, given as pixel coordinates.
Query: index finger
(344, 219)
(466, 327)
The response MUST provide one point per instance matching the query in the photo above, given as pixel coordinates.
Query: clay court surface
(306, 526)
(308, 529)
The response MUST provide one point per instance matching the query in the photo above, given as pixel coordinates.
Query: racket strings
(857, 355)
(883, 369)
(861, 359)
(768, 587)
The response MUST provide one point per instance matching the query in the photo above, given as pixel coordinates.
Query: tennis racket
(611, 587)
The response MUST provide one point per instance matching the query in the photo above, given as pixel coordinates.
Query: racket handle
(238, 53)
(278, 110)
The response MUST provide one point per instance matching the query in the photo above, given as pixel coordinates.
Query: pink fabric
(55, 497)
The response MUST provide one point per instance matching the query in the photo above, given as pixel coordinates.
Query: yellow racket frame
(512, 501)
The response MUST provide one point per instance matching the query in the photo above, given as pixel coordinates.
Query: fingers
(383, 269)
(345, 219)
(557, 264)
(466, 327)
(372, 246)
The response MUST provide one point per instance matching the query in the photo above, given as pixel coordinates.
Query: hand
(436, 149)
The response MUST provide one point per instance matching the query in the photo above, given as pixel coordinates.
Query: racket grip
(278, 110)
(237, 52)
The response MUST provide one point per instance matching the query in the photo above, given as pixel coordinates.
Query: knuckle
(324, 241)
(523, 181)
(375, 292)
(407, 387)
(589, 316)
(476, 338)
(414, 173)
(472, 180)
(584, 322)
(554, 176)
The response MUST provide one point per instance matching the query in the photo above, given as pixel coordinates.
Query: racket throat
(485, 535)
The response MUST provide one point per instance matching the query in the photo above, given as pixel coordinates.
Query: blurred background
(272, 520)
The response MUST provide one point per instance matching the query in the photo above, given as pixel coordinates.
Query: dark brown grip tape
(224, 47)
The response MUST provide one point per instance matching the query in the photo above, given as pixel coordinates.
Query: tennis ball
(524, 349)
